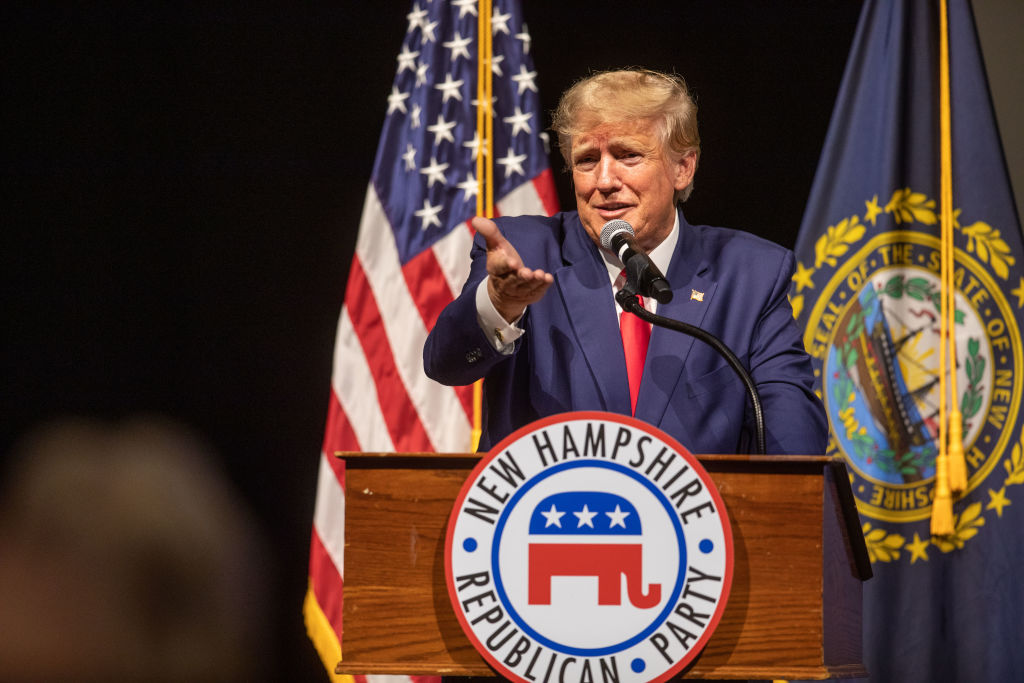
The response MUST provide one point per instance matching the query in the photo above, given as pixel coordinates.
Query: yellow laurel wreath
(1014, 465)
(836, 241)
(907, 206)
(882, 546)
(966, 526)
(985, 241)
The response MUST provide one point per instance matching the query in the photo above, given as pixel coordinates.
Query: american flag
(412, 258)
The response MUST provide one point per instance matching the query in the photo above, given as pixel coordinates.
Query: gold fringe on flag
(484, 166)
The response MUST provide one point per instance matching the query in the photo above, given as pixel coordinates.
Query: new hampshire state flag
(867, 294)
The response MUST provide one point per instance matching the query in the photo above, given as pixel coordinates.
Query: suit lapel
(586, 293)
(693, 295)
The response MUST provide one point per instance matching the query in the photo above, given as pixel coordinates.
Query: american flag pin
(696, 296)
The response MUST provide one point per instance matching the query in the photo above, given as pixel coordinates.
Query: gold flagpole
(484, 169)
(488, 77)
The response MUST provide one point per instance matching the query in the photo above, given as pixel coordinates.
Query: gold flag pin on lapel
(696, 296)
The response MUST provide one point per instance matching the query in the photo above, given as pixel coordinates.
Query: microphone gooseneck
(628, 301)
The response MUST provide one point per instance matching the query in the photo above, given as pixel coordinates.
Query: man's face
(621, 170)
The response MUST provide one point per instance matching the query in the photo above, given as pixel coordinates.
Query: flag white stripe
(452, 254)
(522, 201)
(438, 407)
(329, 514)
(356, 391)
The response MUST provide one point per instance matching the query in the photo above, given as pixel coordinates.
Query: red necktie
(636, 334)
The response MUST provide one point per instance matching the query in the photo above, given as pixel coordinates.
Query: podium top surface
(360, 459)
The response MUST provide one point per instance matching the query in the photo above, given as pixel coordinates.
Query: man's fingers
(537, 275)
(489, 229)
(502, 257)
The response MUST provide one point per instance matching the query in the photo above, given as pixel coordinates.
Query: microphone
(618, 236)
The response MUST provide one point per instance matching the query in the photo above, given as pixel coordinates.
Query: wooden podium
(794, 611)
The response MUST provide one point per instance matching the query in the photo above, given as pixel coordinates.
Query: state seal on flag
(589, 546)
(874, 332)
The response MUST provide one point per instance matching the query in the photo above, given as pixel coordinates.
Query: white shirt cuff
(500, 333)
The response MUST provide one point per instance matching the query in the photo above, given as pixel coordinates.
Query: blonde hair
(629, 95)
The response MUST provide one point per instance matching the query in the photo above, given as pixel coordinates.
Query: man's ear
(685, 168)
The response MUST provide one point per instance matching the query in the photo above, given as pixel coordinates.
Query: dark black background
(182, 183)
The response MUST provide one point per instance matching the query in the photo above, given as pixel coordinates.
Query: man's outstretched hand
(511, 285)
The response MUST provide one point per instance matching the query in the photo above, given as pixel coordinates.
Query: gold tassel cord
(949, 422)
(955, 447)
(484, 167)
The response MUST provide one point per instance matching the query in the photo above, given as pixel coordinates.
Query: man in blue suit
(538, 320)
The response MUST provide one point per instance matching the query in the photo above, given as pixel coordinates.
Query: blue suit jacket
(571, 358)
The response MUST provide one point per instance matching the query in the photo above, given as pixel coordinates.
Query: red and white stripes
(381, 400)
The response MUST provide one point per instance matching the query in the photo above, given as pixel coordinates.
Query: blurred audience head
(125, 555)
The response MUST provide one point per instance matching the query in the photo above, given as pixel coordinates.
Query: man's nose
(607, 175)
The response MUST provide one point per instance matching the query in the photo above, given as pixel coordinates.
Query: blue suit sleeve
(795, 420)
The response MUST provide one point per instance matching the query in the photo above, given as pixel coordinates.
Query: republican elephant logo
(588, 534)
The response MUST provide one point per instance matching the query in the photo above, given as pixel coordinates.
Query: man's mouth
(613, 210)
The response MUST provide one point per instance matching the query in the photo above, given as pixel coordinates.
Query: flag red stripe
(403, 421)
(429, 289)
(545, 186)
(427, 286)
(327, 582)
(338, 434)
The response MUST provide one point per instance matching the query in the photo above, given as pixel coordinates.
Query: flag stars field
(427, 31)
(520, 122)
(396, 100)
(458, 46)
(499, 23)
(465, 7)
(513, 163)
(409, 157)
(421, 73)
(524, 37)
(450, 88)
(435, 172)
(475, 146)
(429, 214)
(470, 187)
(442, 130)
(407, 59)
(415, 17)
(524, 79)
